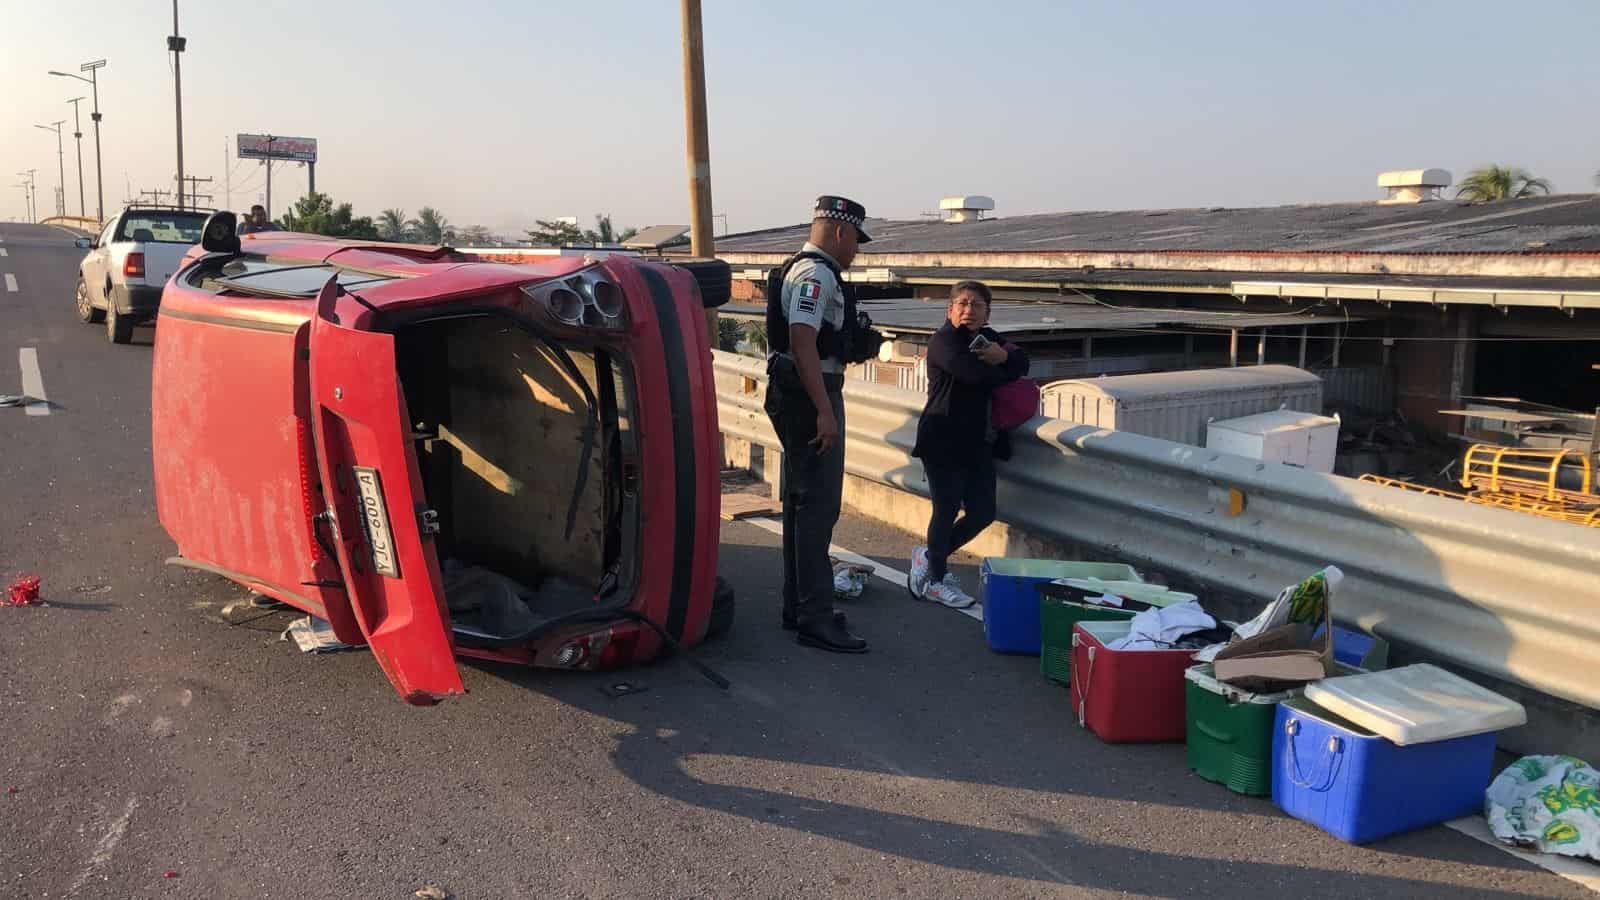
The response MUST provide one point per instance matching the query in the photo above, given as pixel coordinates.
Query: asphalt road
(142, 735)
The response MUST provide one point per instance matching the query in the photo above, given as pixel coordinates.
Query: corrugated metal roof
(657, 236)
(1014, 317)
(1561, 223)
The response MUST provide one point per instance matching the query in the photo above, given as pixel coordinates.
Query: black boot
(830, 634)
(789, 624)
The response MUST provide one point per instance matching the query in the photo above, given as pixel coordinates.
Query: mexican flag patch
(810, 290)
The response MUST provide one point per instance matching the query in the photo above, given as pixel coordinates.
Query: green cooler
(1057, 616)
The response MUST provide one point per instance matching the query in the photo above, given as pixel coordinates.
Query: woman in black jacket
(956, 441)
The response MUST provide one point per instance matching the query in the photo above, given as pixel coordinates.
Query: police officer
(811, 320)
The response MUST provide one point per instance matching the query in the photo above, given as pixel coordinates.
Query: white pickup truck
(128, 263)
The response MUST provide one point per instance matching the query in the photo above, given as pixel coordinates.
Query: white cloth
(1161, 627)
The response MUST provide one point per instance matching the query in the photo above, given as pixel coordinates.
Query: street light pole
(61, 167)
(31, 193)
(176, 43)
(77, 138)
(99, 172)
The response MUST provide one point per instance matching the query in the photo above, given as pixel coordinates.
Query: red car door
(370, 476)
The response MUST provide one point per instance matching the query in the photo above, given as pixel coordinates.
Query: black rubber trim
(683, 481)
(230, 321)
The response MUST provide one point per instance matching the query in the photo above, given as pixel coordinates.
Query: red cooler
(1126, 696)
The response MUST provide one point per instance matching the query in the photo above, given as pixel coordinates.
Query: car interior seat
(143, 234)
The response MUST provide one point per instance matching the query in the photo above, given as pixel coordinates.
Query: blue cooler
(1366, 756)
(1011, 605)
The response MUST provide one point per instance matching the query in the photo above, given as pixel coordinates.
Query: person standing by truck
(813, 331)
(956, 437)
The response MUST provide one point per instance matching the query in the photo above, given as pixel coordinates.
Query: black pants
(956, 487)
(813, 485)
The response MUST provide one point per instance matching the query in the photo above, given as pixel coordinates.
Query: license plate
(375, 519)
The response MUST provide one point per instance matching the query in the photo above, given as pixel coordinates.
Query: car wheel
(119, 328)
(86, 311)
(715, 278)
(722, 604)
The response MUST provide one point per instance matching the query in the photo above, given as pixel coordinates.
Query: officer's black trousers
(812, 487)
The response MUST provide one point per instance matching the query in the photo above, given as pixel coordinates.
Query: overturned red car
(445, 456)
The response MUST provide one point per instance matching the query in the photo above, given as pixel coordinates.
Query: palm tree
(605, 233)
(431, 227)
(392, 225)
(1501, 183)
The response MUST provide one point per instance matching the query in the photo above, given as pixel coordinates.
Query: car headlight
(587, 299)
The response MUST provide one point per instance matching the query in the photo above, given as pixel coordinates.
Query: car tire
(86, 311)
(119, 328)
(722, 606)
(715, 278)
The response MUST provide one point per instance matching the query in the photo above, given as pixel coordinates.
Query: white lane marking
(893, 576)
(4, 252)
(33, 382)
(1577, 871)
(11, 282)
(108, 843)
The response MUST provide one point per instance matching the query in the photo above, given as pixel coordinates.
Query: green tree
(392, 225)
(555, 234)
(605, 233)
(431, 227)
(315, 213)
(475, 236)
(729, 334)
(1501, 183)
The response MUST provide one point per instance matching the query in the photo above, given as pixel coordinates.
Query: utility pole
(157, 194)
(176, 43)
(701, 241)
(268, 163)
(61, 167)
(99, 172)
(77, 138)
(32, 193)
(26, 207)
(194, 183)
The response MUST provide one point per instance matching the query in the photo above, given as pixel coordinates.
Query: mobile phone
(979, 343)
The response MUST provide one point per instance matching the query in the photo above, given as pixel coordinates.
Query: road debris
(313, 635)
(25, 591)
(17, 400)
(433, 892)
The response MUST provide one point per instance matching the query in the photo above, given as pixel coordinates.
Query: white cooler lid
(1416, 704)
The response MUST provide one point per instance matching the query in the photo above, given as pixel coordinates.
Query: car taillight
(619, 650)
(133, 267)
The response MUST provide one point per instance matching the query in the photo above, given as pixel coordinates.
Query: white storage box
(1295, 438)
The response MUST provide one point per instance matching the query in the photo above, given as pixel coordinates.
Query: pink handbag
(1014, 403)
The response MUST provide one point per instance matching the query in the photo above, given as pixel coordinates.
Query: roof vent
(1413, 185)
(969, 208)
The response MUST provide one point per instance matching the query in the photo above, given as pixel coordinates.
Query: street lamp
(77, 138)
(61, 167)
(99, 174)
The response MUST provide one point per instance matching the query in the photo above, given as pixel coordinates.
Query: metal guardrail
(1517, 598)
(86, 224)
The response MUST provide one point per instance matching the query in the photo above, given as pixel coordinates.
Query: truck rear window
(161, 227)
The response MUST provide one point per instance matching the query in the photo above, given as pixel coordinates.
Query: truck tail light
(619, 650)
(133, 267)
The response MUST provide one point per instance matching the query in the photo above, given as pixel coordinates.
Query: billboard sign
(268, 146)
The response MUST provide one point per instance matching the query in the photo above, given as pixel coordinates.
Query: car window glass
(105, 236)
(257, 276)
(163, 227)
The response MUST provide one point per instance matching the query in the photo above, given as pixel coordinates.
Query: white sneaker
(917, 584)
(949, 593)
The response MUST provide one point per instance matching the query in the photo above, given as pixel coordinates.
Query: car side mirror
(221, 233)
(83, 244)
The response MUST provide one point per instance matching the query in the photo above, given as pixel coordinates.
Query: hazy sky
(503, 112)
